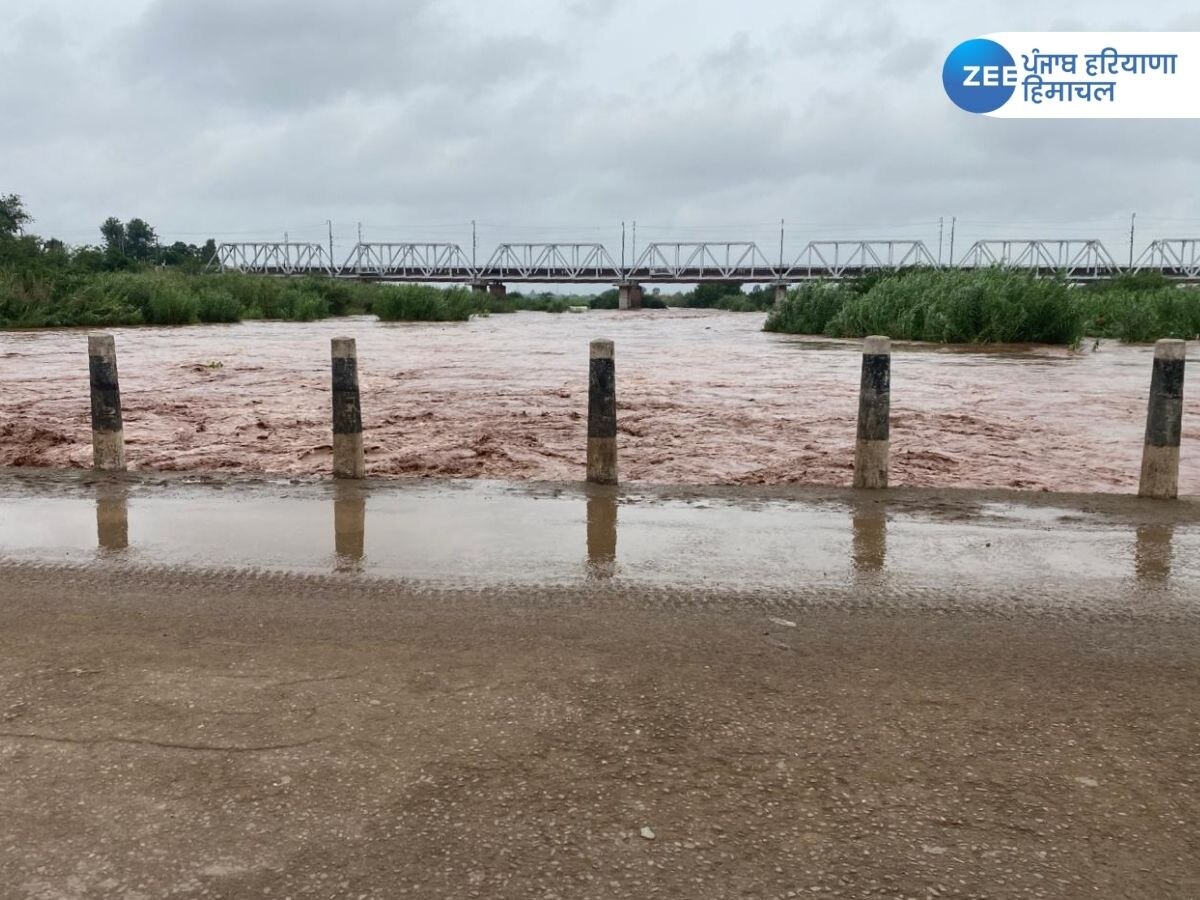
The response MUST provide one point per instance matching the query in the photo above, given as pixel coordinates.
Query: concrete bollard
(602, 414)
(348, 460)
(108, 431)
(874, 409)
(1164, 422)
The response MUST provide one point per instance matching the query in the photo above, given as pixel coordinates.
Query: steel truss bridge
(1078, 260)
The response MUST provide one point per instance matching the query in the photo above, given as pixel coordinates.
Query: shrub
(217, 304)
(423, 303)
(171, 304)
(1146, 316)
(945, 306)
(307, 306)
(809, 308)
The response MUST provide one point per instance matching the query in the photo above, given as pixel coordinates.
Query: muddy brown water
(704, 398)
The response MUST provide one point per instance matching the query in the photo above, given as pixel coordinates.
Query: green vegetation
(610, 299)
(422, 303)
(542, 301)
(727, 296)
(992, 306)
(1140, 308)
(132, 280)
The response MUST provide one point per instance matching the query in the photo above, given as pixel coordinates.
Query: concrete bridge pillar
(492, 288)
(780, 293)
(629, 296)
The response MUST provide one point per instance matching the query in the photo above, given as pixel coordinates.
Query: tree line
(124, 245)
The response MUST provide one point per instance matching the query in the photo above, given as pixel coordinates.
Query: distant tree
(90, 259)
(711, 293)
(114, 235)
(13, 217)
(140, 240)
(178, 254)
(604, 300)
(208, 251)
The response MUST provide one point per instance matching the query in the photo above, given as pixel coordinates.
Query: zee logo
(990, 76)
(979, 75)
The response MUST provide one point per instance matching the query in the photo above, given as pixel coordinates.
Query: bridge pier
(780, 293)
(629, 296)
(492, 288)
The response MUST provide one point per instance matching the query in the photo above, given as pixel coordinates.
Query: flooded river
(704, 398)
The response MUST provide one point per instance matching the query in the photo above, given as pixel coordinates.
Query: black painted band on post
(347, 405)
(106, 393)
(874, 399)
(602, 398)
(1164, 419)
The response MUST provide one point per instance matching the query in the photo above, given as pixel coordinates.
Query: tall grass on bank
(991, 306)
(542, 301)
(1140, 308)
(175, 298)
(422, 303)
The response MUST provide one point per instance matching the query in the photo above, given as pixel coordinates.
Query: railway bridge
(693, 262)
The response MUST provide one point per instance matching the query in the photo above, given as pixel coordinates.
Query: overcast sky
(558, 119)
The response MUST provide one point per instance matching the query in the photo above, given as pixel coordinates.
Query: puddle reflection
(601, 535)
(112, 518)
(490, 534)
(1152, 553)
(349, 526)
(869, 547)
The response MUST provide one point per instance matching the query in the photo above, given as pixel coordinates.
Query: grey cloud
(281, 55)
(237, 116)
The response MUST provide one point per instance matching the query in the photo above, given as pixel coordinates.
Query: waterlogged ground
(705, 398)
(216, 686)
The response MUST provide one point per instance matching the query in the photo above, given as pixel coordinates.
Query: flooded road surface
(704, 398)
(785, 546)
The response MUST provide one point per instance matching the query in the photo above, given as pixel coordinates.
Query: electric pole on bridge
(329, 222)
(1132, 217)
(474, 243)
(781, 245)
(941, 227)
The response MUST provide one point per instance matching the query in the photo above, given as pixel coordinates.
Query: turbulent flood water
(704, 397)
